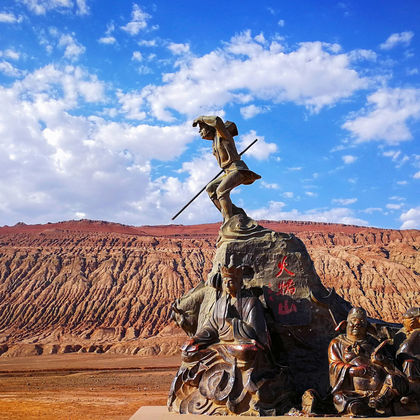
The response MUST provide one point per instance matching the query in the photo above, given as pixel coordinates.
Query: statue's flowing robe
(408, 354)
(237, 321)
(342, 355)
(232, 372)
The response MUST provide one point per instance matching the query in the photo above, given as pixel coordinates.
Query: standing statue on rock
(235, 170)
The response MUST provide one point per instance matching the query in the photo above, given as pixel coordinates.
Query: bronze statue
(237, 317)
(407, 341)
(251, 327)
(226, 366)
(235, 170)
(363, 376)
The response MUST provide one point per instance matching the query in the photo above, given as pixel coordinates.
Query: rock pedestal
(300, 314)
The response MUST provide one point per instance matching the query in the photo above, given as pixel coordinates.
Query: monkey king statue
(235, 170)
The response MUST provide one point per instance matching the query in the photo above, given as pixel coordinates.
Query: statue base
(161, 413)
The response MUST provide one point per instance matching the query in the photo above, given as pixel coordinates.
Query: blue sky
(98, 97)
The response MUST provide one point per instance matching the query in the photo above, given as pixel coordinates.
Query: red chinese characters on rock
(284, 288)
(282, 265)
(286, 306)
(287, 287)
(285, 309)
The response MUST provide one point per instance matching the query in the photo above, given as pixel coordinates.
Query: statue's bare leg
(219, 193)
(228, 182)
(226, 207)
(211, 191)
(234, 209)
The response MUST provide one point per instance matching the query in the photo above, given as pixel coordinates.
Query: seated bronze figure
(226, 366)
(407, 342)
(363, 376)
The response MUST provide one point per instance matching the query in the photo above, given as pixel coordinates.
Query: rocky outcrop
(105, 287)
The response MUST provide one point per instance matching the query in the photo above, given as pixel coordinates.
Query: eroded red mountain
(104, 287)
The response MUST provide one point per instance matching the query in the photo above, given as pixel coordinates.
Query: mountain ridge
(102, 286)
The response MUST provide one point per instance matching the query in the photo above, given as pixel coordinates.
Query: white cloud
(83, 7)
(411, 219)
(288, 194)
(397, 198)
(403, 38)
(281, 23)
(344, 201)
(11, 54)
(179, 49)
(252, 110)
(75, 83)
(72, 49)
(402, 182)
(260, 38)
(348, 159)
(261, 150)
(144, 70)
(40, 7)
(272, 212)
(6, 17)
(371, 210)
(362, 54)
(393, 154)
(269, 186)
(138, 21)
(295, 168)
(9, 69)
(167, 194)
(57, 165)
(107, 40)
(311, 194)
(416, 175)
(137, 56)
(131, 104)
(246, 70)
(393, 206)
(275, 211)
(147, 43)
(396, 156)
(386, 120)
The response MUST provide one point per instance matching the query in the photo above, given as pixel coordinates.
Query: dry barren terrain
(98, 287)
(90, 386)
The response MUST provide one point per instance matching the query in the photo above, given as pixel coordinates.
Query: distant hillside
(99, 286)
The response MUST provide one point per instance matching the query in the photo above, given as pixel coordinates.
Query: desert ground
(83, 386)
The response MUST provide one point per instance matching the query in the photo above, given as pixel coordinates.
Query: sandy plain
(83, 386)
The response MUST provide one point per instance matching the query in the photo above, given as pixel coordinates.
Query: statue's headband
(231, 269)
